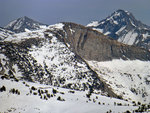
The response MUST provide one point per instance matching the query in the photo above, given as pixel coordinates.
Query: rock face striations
(92, 45)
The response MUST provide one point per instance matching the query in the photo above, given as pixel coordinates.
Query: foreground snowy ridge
(37, 98)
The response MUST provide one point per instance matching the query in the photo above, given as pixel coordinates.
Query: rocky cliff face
(92, 45)
(95, 48)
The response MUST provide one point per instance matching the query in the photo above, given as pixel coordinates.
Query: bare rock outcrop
(92, 45)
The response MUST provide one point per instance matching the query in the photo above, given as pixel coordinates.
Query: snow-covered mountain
(22, 24)
(4, 33)
(123, 26)
(70, 58)
(41, 56)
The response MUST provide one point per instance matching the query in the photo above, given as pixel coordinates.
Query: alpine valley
(71, 68)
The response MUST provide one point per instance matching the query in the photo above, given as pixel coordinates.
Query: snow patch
(107, 33)
(129, 38)
(11, 24)
(145, 36)
(26, 35)
(120, 30)
(93, 24)
(99, 30)
(132, 23)
(127, 12)
(43, 26)
(27, 30)
(117, 14)
(115, 22)
(57, 26)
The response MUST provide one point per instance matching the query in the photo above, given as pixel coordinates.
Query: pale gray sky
(78, 11)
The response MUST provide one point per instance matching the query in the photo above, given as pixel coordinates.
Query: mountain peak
(123, 14)
(22, 23)
(123, 17)
(119, 16)
(122, 11)
(26, 18)
(121, 25)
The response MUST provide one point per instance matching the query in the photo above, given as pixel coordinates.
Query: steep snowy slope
(40, 56)
(130, 79)
(122, 26)
(93, 46)
(22, 24)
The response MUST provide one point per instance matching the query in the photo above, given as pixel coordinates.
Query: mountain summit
(123, 26)
(20, 24)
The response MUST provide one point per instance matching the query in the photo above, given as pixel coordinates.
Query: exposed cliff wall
(92, 45)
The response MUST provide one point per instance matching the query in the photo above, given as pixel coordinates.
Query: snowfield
(127, 78)
(128, 38)
(76, 102)
(18, 37)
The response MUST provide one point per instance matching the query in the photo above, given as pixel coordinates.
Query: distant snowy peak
(20, 24)
(123, 26)
(117, 17)
(122, 17)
